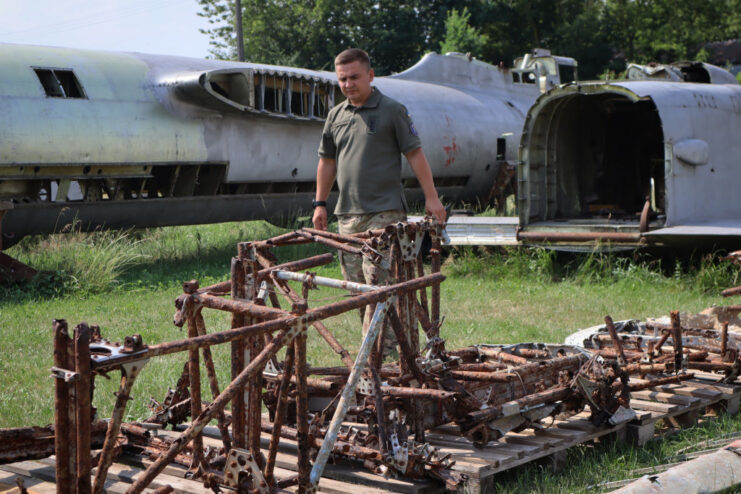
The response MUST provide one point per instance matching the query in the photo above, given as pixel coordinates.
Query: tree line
(601, 34)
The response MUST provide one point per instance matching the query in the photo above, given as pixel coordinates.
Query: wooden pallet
(679, 405)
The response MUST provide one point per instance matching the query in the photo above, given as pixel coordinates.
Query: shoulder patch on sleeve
(412, 128)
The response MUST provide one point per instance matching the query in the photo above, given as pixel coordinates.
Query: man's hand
(435, 208)
(320, 218)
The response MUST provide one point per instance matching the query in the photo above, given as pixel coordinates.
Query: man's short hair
(351, 55)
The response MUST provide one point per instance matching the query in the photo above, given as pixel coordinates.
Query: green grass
(127, 281)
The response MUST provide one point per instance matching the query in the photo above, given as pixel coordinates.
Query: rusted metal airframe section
(487, 390)
(643, 347)
(286, 328)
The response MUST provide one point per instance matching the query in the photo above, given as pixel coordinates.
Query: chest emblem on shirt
(372, 124)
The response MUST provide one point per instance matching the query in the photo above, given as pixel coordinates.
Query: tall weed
(81, 262)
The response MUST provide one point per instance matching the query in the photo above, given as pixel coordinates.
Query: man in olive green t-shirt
(361, 145)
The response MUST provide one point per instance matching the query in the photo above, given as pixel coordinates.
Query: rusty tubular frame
(239, 414)
(337, 237)
(84, 410)
(615, 339)
(61, 405)
(283, 337)
(213, 381)
(293, 297)
(334, 426)
(302, 413)
(299, 265)
(280, 414)
(330, 243)
(129, 372)
(311, 316)
(71, 411)
(435, 261)
(194, 373)
(677, 339)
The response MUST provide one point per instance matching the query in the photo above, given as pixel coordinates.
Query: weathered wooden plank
(664, 397)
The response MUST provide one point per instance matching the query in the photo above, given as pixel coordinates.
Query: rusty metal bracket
(241, 461)
(67, 376)
(410, 243)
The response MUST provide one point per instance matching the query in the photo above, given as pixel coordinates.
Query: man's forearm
(421, 169)
(325, 173)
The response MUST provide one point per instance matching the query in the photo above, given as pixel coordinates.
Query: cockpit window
(60, 83)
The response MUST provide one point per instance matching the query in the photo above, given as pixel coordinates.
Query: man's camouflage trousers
(361, 270)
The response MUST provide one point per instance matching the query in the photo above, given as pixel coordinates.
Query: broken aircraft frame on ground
(485, 390)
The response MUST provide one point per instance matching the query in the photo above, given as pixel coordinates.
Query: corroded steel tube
(409, 356)
(128, 376)
(292, 296)
(677, 339)
(615, 338)
(494, 377)
(657, 382)
(239, 307)
(324, 312)
(729, 292)
(239, 407)
(552, 395)
(432, 394)
(533, 353)
(197, 425)
(280, 414)
(213, 382)
(300, 265)
(348, 391)
(331, 243)
(339, 448)
(435, 261)
(338, 237)
(61, 405)
(84, 419)
(302, 414)
(194, 372)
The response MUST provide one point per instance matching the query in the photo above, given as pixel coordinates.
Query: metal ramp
(480, 230)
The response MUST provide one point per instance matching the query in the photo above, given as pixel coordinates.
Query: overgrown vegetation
(601, 34)
(126, 282)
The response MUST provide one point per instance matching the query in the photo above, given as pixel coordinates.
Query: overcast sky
(151, 26)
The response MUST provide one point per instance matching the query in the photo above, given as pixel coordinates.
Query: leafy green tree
(309, 33)
(460, 36)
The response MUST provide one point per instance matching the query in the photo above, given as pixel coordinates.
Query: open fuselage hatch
(590, 163)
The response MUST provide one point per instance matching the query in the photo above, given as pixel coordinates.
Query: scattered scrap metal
(363, 411)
